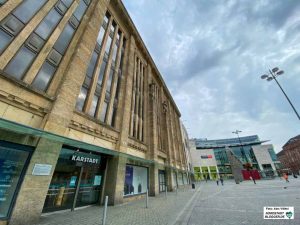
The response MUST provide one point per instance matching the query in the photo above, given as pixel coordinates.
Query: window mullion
(7, 8)
(94, 81)
(142, 104)
(133, 96)
(106, 74)
(137, 99)
(17, 42)
(114, 82)
(37, 64)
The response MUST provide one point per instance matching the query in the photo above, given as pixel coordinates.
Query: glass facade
(180, 178)
(13, 161)
(77, 180)
(136, 180)
(272, 154)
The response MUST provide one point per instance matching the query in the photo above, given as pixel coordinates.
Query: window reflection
(19, 64)
(28, 9)
(44, 76)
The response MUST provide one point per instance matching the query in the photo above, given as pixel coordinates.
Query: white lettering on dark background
(78, 158)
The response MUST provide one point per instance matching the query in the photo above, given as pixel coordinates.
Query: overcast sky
(211, 54)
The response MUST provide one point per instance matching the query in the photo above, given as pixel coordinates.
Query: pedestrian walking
(286, 177)
(252, 178)
(217, 181)
(222, 181)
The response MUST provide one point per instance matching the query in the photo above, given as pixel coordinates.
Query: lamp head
(269, 78)
(280, 72)
(264, 76)
(275, 69)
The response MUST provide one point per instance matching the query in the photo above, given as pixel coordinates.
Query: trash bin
(193, 186)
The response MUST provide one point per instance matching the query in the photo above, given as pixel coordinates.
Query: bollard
(147, 198)
(104, 211)
(166, 190)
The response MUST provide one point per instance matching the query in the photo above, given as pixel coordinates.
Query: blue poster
(73, 181)
(128, 188)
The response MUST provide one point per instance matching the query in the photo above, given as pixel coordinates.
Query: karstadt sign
(85, 158)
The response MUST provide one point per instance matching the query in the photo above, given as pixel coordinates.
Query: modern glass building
(248, 149)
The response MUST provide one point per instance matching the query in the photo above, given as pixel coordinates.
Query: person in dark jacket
(222, 181)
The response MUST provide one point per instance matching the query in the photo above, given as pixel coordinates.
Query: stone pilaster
(34, 188)
(153, 180)
(115, 178)
(125, 98)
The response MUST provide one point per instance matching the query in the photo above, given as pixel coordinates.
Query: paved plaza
(162, 210)
(209, 204)
(242, 204)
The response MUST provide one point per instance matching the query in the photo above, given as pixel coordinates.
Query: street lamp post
(241, 146)
(275, 72)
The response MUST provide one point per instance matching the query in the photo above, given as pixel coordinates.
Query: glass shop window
(136, 180)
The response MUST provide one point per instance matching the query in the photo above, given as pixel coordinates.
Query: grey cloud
(211, 55)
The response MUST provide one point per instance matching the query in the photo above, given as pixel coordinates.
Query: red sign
(206, 156)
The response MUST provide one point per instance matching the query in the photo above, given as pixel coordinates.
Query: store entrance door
(162, 180)
(89, 188)
(77, 181)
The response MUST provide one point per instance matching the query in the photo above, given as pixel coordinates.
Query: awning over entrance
(26, 130)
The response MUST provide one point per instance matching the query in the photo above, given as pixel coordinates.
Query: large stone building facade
(290, 156)
(84, 111)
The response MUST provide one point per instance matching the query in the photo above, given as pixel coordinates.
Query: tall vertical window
(91, 70)
(100, 101)
(45, 75)
(137, 103)
(158, 119)
(15, 21)
(28, 52)
(118, 78)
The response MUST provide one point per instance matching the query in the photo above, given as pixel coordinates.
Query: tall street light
(241, 146)
(275, 72)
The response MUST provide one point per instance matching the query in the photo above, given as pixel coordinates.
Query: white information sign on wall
(278, 212)
(41, 169)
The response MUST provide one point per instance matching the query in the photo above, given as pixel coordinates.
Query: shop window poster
(97, 180)
(10, 170)
(136, 180)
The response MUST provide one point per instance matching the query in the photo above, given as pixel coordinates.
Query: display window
(77, 180)
(136, 180)
(13, 162)
(185, 180)
(180, 178)
(175, 179)
(162, 180)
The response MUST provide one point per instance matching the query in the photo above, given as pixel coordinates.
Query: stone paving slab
(209, 204)
(162, 211)
(243, 204)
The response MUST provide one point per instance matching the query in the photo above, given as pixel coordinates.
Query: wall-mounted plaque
(41, 169)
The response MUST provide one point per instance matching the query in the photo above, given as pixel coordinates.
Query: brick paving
(162, 210)
(209, 204)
